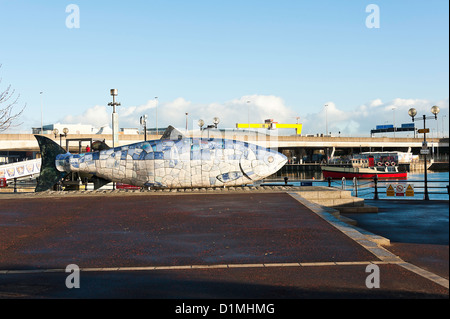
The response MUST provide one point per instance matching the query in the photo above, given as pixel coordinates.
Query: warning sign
(390, 190)
(410, 190)
(399, 190)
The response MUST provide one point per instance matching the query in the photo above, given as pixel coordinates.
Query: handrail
(340, 183)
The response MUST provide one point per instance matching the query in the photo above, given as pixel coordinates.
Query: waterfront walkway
(236, 245)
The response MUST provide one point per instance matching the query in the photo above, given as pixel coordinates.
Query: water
(366, 187)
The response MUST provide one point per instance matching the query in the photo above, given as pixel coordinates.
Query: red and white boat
(365, 166)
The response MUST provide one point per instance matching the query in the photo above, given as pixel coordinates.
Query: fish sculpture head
(259, 162)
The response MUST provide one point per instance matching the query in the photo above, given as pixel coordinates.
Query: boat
(367, 165)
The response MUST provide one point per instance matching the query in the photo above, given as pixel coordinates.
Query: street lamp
(56, 132)
(143, 121)
(443, 128)
(413, 112)
(424, 151)
(115, 117)
(156, 98)
(42, 112)
(248, 113)
(393, 109)
(200, 124)
(216, 121)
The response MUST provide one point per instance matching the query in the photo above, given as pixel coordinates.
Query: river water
(437, 185)
(400, 218)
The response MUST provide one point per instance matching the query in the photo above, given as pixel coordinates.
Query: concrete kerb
(369, 241)
(166, 192)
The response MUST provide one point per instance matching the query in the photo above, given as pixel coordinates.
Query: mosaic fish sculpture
(174, 161)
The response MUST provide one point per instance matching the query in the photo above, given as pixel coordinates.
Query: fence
(386, 187)
(374, 188)
(18, 186)
(369, 189)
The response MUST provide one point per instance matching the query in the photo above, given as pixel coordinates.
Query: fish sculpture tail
(49, 174)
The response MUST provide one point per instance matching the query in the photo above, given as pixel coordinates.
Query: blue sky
(287, 57)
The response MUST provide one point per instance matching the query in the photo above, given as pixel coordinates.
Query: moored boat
(365, 166)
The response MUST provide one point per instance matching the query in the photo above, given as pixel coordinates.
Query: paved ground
(242, 245)
(408, 221)
(418, 230)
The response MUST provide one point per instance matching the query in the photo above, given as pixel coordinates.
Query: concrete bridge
(293, 144)
(300, 146)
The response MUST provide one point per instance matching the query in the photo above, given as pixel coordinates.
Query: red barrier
(126, 186)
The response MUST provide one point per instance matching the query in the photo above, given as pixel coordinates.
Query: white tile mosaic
(188, 162)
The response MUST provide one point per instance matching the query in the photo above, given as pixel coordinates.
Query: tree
(9, 113)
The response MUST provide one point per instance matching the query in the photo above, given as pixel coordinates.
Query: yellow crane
(271, 125)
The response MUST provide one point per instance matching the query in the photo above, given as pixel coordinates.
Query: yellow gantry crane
(271, 125)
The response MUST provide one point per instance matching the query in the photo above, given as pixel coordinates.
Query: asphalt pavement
(196, 246)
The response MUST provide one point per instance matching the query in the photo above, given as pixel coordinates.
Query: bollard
(375, 179)
(355, 185)
(15, 185)
(329, 181)
(343, 183)
(285, 180)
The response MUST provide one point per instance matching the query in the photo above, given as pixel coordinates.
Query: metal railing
(368, 187)
(425, 187)
(374, 186)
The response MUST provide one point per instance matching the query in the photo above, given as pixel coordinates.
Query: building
(73, 129)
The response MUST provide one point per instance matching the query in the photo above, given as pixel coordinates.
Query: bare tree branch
(8, 105)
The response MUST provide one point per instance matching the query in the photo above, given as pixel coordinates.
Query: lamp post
(143, 121)
(56, 132)
(216, 121)
(65, 132)
(424, 151)
(42, 112)
(187, 121)
(326, 119)
(393, 110)
(115, 117)
(200, 124)
(248, 114)
(156, 98)
(443, 128)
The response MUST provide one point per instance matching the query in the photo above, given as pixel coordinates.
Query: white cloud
(259, 108)
(356, 122)
(376, 103)
(96, 116)
(363, 118)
